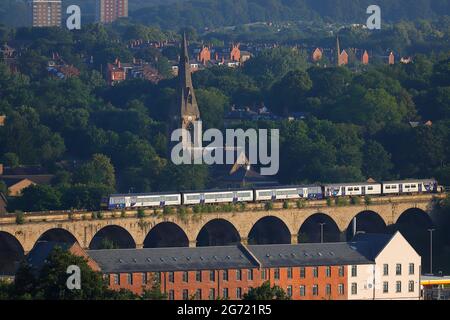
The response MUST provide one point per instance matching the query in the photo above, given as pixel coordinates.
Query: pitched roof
(172, 259)
(370, 245)
(314, 254)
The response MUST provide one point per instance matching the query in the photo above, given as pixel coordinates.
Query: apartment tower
(110, 10)
(45, 13)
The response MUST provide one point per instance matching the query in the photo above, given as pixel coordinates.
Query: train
(266, 194)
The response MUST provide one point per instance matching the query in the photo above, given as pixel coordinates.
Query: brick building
(329, 271)
(45, 13)
(115, 73)
(317, 55)
(205, 55)
(108, 11)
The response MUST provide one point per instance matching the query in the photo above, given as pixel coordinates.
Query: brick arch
(58, 235)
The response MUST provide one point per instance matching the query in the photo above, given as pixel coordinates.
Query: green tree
(377, 161)
(97, 171)
(266, 292)
(38, 198)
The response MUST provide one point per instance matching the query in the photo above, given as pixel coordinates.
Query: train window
(388, 187)
(370, 188)
(350, 189)
(407, 186)
(413, 186)
(394, 187)
(357, 189)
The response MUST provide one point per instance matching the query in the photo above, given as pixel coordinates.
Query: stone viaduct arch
(141, 231)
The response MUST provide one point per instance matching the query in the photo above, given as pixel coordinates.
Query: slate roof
(370, 245)
(314, 254)
(172, 259)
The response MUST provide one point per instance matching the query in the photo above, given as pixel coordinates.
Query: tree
(11, 159)
(212, 104)
(38, 198)
(155, 292)
(265, 292)
(287, 94)
(49, 283)
(377, 161)
(97, 171)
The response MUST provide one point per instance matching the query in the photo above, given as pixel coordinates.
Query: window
(198, 276)
(398, 269)
(250, 275)
(115, 279)
(171, 277)
(315, 290)
(276, 274)
(302, 291)
(129, 278)
(354, 288)
(411, 286)
(264, 274)
(289, 273)
(212, 294)
(171, 295)
(315, 272)
(411, 268)
(225, 293)
(238, 293)
(225, 275)
(385, 270)
(385, 287)
(398, 287)
(185, 276)
(328, 289)
(328, 272)
(341, 289)
(198, 294)
(354, 271)
(289, 291)
(238, 275)
(185, 294)
(302, 273)
(341, 271)
(212, 276)
(144, 278)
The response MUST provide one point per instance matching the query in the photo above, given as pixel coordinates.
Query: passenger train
(277, 193)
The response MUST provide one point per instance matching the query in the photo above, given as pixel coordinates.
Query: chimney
(1, 169)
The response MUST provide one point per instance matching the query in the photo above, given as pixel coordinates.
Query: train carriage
(410, 186)
(217, 196)
(281, 193)
(148, 200)
(352, 189)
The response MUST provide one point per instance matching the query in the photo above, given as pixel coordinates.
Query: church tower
(188, 111)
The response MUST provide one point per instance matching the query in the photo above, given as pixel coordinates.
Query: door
(400, 187)
(363, 191)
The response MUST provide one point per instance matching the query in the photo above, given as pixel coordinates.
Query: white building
(394, 273)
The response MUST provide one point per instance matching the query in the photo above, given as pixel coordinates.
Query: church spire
(186, 95)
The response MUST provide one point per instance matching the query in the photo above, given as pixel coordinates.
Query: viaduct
(254, 225)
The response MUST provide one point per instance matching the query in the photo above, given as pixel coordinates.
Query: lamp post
(431, 249)
(321, 231)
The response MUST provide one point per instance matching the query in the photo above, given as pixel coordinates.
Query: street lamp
(431, 249)
(321, 231)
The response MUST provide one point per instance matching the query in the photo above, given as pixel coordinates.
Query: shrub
(197, 208)
(355, 200)
(301, 203)
(341, 202)
(167, 210)
(94, 215)
(242, 206)
(286, 205)
(269, 205)
(100, 215)
(367, 200)
(329, 202)
(123, 214)
(141, 213)
(20, 217)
